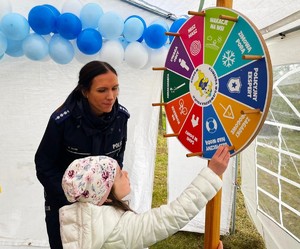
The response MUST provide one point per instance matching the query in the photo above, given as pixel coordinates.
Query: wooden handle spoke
(158, 68)
(228, 18)
(251, 57)
(196, 13)
(158, 104)
(172, 34)
(171, 135)
(250, 111)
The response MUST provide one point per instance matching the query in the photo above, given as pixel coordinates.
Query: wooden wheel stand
(213, 207)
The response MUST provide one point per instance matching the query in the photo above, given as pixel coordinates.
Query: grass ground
(245, 235)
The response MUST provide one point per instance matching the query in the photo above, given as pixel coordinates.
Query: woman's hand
(220, 159)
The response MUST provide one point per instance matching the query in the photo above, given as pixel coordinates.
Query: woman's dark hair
(88, 72)
(121, 205)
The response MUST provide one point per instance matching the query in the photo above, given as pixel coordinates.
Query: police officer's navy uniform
(74, 132)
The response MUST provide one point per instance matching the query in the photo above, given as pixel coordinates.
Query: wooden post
(213, 207)
(213, 222)
(224, 3)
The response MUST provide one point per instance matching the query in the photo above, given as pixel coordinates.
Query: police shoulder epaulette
(61, 114)
(124, 110)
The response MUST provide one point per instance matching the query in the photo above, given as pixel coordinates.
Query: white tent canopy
(31, 90)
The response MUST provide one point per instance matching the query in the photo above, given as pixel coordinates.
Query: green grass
(245, 236)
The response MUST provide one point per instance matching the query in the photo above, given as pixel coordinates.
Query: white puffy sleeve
(143, 230)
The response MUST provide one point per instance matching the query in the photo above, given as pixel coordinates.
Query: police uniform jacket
(74, 132)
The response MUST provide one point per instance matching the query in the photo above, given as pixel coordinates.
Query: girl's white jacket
(87, 226)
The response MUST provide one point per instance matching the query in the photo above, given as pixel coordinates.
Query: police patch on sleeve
(61, 115)
(124, 110)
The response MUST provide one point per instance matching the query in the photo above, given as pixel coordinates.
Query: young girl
(100, 219)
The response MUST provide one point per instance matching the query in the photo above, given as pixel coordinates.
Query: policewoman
(90, 122)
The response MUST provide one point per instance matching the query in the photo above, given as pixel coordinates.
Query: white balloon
(72, 6)
(136, 55)
(158, 56)
(81, 57)
(112, 51)
(5, 8)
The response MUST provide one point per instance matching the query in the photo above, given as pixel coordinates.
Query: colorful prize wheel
(217, 84)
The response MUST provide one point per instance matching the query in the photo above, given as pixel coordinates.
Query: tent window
(278, 153)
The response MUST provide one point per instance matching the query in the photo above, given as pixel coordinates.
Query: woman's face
(103, 93)
(121, 184)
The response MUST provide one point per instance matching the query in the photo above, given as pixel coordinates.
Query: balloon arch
(83, 32)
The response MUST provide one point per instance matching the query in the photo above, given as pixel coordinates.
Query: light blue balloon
(90, 15)
(35, 47)
(144, 24)
(123, 41)
(14, 26)
(111, 25)
(3, 43)
(133, 29)
(14, 48)
(61, 50)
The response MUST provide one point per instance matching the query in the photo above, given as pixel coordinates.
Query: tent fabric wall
(279, 46)
(182, 170)
(30, 91)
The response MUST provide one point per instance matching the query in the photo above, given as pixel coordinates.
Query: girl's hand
(220, 160)
(220, 246)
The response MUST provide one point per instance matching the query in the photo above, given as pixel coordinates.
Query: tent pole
(213, 207)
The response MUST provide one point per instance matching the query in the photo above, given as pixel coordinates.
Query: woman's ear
(84, 94)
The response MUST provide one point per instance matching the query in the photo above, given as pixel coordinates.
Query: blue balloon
(162, 23)
(133, 29)
(3, 43)
(56, 14)
(90, 15)
(42, 20)
(144, 23)
(69, 26)
(111, 25)
(14, 26)
(155, 36)
(176, 25)
(14, 48)
(61, 50)
(35, 47)
(89, 41)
